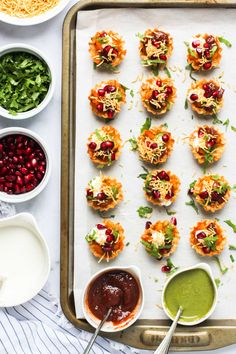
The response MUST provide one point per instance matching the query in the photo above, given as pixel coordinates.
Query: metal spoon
(165, 344)
(93, 338)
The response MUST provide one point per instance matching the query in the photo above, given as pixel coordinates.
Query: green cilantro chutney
(193, 291)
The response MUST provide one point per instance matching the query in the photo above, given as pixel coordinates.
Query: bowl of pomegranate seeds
(107, 50)
(206, 96)
(155, 47)
(158, 95)
(106, 99)
(212, 192)
(24, 165)
(160, 239)
(106, 240)
(207, 238)
(204, 52)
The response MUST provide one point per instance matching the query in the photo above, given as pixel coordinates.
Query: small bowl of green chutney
(194, 290)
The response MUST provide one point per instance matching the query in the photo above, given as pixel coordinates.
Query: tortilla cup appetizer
(104, 193)
(212, 192)
(155, 47)
(161, 187)
(204, 52)
(155, 145)
(160, 239)
(104, 146)
(206, 96)
(107, 49)
(106, 240)
(207, 238)
(207, 144)
(106, 99)
(158, 95)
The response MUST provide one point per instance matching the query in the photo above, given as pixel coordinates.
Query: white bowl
(21, 47)
(109, 326)
(19, 198)
(13, 20)
(207, 269)
(26, 266)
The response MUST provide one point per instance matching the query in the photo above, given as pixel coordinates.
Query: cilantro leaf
(231, 224)
(146, 125)
(144, 212)
(233, 128)
(232, 248)
(133, 143)
(217, 281)
(225, 41)
(193, 205)
(223, 269)
(167, 71)
(226, 124)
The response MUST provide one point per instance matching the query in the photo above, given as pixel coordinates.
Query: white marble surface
(46, 207)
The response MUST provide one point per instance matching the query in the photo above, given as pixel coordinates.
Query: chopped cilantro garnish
(225, 41)
(233, 128)
(133, 143)
(223, 269)
(146, 125)
(24, 81)
(216, 120)
(193, 205)
(144, 175)
(165, 125)
(226, 124)
(140, 36)
(144, 212)
(213, 50)
(124, 87)
(217, 281)
(152, 249)
(231, 224)
(187, 44)
(127, 244)
(115, 191)
(210, 242)
(131, 93)
(232, 258)
(186, 104)
(167, 71)
(232, 248)
(169, 212)
(171, 265)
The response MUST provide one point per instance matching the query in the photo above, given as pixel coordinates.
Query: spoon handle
(93, 338)
(165, 344)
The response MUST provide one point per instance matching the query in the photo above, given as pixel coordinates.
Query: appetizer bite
(212, 192)
(161, 187)
(104, 146)
(155, 47)
(204, 52)
(206, 96)
(207, 238)
(160, 239)
(155, 145)
(106, 240)
(104, 193)
(158, 95)
(106, 99)
(207, 144)
(107, 49)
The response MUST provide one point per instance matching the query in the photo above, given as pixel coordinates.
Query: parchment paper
(182, 24)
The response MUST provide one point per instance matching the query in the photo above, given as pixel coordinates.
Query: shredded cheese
(164, 187)
(26, 8)
(109, 100)
(147, 152)
(205, 101)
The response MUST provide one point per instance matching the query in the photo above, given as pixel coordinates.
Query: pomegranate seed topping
(196, 43)
(193, 97)
(203, 195)
(2, 179)
(155, 94)
(101, 92)
(159, 83)
(108, 232)
(201, 235)
(206, 250)
(211, 143)
(148, 225)
(89, 193)
(206, 45)
(165, 138)
(101, 227)
(165, 269)
(156, 194)
(100, 107)
(220, 93)
(110, 113)
(163, 176)
(169, 195)
(206, 87)
(207, 54)
(10, 178)
(173, 220)
(169, 90)
(114, 52)
(1, 147)
(101, 196)
(210, 40)
(207, 66)
(200, 132)
(215, 196)
(92, 145)
(107, 145)
(103, 34)
(24, 171)
(207, 94)
(113, 156)
(153, 146)
(156, 43)
(19, 180)
(110, 88)
(199, 52)
(164, 250)
(110, 239)
(163, 57)
(107, 248)
(106, 50)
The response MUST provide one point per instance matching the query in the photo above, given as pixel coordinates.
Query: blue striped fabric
(39, 326)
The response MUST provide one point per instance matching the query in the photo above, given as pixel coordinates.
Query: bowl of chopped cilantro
(26, 81)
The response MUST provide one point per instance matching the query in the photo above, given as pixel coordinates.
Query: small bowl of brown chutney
(117, 288)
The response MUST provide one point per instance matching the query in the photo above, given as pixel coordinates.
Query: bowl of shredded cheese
(30, 12)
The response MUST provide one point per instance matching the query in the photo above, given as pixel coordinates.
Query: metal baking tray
(144, 334)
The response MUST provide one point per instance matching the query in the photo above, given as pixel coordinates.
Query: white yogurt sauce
(22, 264)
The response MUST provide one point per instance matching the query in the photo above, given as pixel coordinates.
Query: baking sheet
(182, 24)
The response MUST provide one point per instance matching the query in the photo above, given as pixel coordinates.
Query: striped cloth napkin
(39, 326)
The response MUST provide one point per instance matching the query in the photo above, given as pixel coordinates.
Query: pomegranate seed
(165, 269)
(156, 43)
(107, 248)
(1, 147)
(34, 163)
(103, 34)
(9, 184)
(193, 97)
(153, 57)
(110, 88)
(4, 170)
(39, 176)
(210, 40)
(201, 235)
(155, 94)
(206, 87)
(206, 250)
(28, 165)
(153, 146)
(17, 189)
(220, 93)
(165, 138)
(101, 227)
(196, 43)
(215, 196)
(200, 132)
(110, 113)
(92, 145)
(101, 196)
(207, 66)
(159, 83)
(10, 178)
(206, 45)
(110, 239)
(199, 52)
(163, 176)
(108, 232)
(164, 250)
(148, 225)
(19, 180)
(2, 179)
(169, 195)
(41, 169)
(156, 194)
(173, 220)
(163, 57)
(100, 107)
(114, 52)
(211, 143)
(207, 94)
(101, 92)
(207, 54)
(24, 171)
(169, 90)
(203, 195)
(109, 144)
(113, 156)
(29, 187)
(89, 193)
(106, 50)
(28, 151)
